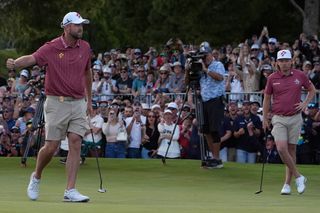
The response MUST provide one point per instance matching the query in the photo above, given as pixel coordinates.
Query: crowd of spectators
(138, 95)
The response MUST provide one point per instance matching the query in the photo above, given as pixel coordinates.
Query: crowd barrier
(238, 97)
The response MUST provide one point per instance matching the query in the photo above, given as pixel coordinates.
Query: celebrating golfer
(284, 86)
(68, 89)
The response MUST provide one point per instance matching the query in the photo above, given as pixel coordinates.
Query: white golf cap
(155, 106)
(172, 105)
(106, 70)
(167, 111)
(24, 73)
(73, 18)
(284, 54)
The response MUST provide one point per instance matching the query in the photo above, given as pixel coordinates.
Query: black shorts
(213, 114)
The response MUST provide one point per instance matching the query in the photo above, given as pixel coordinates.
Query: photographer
(212, 87)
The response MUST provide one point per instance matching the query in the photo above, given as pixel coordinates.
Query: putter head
(258, 192)
(102, 190)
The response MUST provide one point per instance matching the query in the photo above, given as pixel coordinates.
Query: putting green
(148, 186)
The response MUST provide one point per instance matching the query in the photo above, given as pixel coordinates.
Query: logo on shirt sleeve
(297, 81)
(61, 55)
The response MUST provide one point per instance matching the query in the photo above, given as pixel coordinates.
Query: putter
(261, 180)
(101, 189)
(264, 159)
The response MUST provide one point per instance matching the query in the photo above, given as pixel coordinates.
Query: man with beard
(68, 88)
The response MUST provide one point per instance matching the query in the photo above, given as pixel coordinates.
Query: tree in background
(27, 24)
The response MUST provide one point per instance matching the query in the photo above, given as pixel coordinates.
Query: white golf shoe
(72, 195)
(33, 187)
(286, 189)
(300, 183)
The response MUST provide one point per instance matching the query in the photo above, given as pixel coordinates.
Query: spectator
(234, 82)
(176, 82)
(266, 70)
(96, 82)
(107, 86)
(124, 83)
(114, 148)
(163, 84)
(139, 83)
(184, 138)
(272, 155)
(21, 84)
(312, 132)
(247, 131)
(151, 137)
(7, 116)
(95, 123)
(166, 127)
(228, 147)
(22, 121)
(225, 135)
(16, 140)
(135, 128)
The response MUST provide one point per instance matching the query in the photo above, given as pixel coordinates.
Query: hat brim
(80, 21)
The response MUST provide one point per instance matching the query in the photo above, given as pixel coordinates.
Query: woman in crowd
(114, 148)
(162, 84)
(151, 137)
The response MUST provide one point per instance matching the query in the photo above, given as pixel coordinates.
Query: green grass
(148, 186)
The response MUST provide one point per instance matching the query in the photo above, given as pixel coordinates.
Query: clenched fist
(10, 64)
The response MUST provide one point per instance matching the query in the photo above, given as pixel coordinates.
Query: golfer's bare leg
(288, 160)
(73, 160)
(45, 155)
(292, 152)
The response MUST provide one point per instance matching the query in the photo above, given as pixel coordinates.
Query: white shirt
(96, 121)
(174, 149)
(135, 134)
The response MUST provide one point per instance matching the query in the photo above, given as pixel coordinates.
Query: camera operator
(212, 88)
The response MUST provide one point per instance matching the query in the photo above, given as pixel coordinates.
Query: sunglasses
(15, 131)
(123, 71)
(271, 43)
(186, 109)
(163, 73)
(312, 106)
(111, 113)
(140, 70)
(151, 116)
(171, 108)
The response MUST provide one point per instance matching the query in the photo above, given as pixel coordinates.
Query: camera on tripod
(195, 66)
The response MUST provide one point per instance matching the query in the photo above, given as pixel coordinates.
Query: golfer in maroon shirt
(68, 91)
(284, 88)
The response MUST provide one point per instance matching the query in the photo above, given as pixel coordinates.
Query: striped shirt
(65, 67)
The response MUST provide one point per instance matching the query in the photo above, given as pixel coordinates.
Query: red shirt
(66, 67)
(286, 91)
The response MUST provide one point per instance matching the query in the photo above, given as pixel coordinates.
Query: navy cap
(30, 110)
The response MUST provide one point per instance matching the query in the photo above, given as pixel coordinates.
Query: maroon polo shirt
(66, 67)
(286, 91)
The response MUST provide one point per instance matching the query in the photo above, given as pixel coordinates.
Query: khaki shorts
(287, 128)
(63, 116)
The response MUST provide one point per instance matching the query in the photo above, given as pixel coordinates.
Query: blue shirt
(211, 88)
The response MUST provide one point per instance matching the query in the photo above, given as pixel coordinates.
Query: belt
(62, 98)
(290, 115)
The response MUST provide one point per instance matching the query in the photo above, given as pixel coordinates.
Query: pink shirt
(66, 67)
(286, 91)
